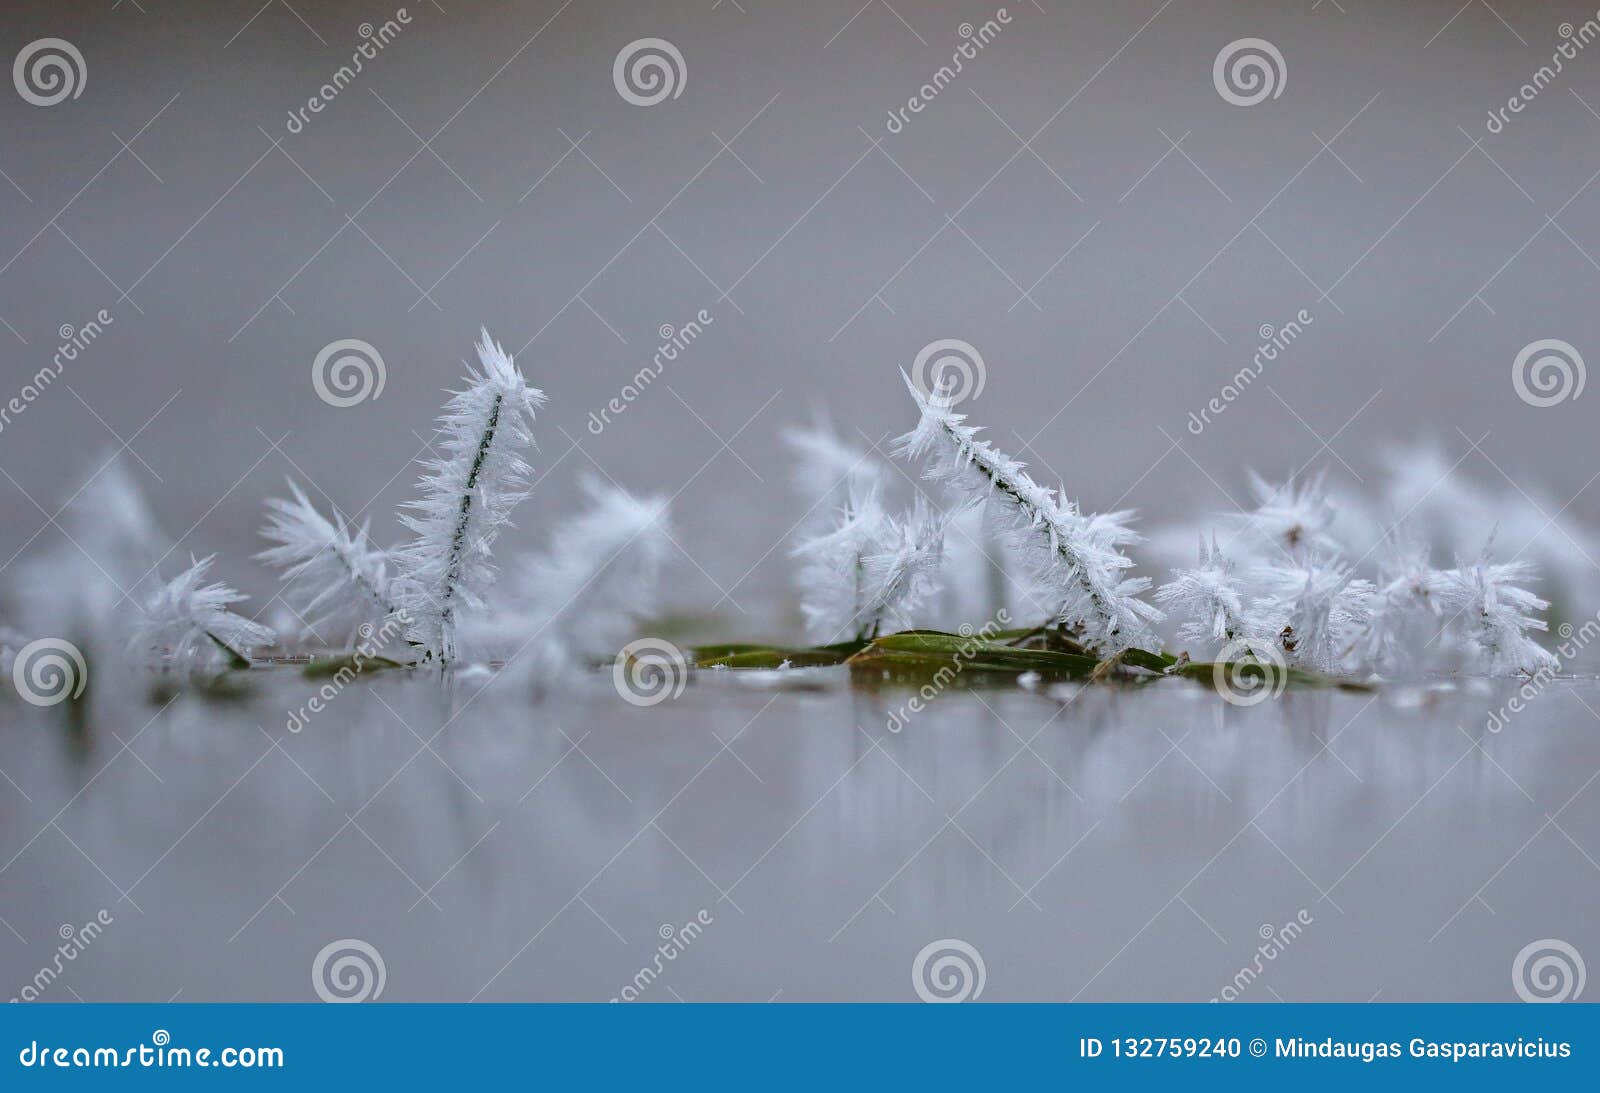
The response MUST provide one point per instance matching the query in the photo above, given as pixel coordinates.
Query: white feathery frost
(868, 574)
(340, 578)
(1497, 615)
(1407, 605)
(1209, 599)
(901, 568)
(466, 500)
(1315, 610)
(833, 580)
(77, 591)
(1075, 561)
(827, 468)
(187, 625)
(1293, 517)
(585, 594)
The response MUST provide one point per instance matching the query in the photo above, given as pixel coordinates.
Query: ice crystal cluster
(1282, 587)
(1072, 561)
(467, 495)
(334, 572)
(581, 598)
(1302, 577)
(1272, 581)
(104, 591)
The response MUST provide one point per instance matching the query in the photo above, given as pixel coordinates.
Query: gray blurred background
(1081, 204)
(1111, 283)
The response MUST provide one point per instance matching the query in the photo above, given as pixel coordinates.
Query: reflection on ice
(1103, 842)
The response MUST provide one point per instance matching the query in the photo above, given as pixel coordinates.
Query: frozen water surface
(1119, 844)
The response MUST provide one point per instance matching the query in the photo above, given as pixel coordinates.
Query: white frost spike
(833, 577)
(827, 469)
(600, 574)
(1208, 598)
(870, 572)
(1314, 609)
(467, 498)
(342, 576)
(1497, 614)
(1074, 560)
(900, 570)
(1406, 606)
(187, 624)
(1293, 517)
(583, 597)
(78, 591)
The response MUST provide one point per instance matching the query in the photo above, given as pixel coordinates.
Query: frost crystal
(467, 498)
(1293, 517)
(1497, 615)
(583, 597)
(187, 625)
(827, 469)
(833, 578)
(869, 573)
(1076, 561)
(341, 576)
(603, 568)
(1209, 599)
(1315, 609)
